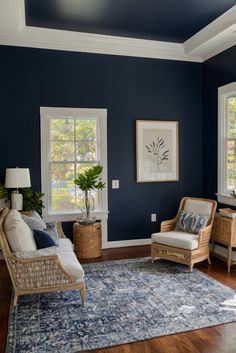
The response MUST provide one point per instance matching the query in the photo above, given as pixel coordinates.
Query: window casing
(71, 140)
(227, 143)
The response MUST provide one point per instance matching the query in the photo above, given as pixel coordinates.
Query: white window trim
(223, 93)
(48, 112)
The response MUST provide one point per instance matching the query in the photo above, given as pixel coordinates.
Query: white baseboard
(124, 243)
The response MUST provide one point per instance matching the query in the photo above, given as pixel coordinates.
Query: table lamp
(17, 178)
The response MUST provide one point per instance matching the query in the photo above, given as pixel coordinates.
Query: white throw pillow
(198, 207)
(34, 221)
(18, 233)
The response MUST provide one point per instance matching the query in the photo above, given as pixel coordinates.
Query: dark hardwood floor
(216, 339)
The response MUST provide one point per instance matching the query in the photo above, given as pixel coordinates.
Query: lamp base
(16, 201)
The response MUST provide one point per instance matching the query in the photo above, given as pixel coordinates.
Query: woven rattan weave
(36, 275)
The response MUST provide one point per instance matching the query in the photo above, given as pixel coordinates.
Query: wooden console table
(224, 232)
(87, 240)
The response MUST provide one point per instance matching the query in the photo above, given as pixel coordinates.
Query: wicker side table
(224, 232)
(87, 240)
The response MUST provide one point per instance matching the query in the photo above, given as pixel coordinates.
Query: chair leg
(153, 259)
(229, 258)
(191, 267)
(15, 299)
(209, 260)
(82, 293)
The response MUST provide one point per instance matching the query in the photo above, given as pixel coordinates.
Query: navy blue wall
(130, 88)
(218, 71)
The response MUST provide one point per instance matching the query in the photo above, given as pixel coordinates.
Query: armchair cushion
(53, 250)
(191, 222)
(198, 207)
(43, 239)
(71, 264)
(52, 231)
(66, 244)
(177, 239)
(34, 221)
(19, 235)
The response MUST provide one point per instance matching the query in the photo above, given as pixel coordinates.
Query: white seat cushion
(18, 233)
(177, 239)
(66, 256)
(198, 207)
(71, 264)
(69, 260)
(53, 250)
(65, 244)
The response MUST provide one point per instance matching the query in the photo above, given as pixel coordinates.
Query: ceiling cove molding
(13, 31)
(100, 44)
(215, 37)
(213, 29)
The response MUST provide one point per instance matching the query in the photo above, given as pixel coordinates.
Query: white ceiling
(211, 40)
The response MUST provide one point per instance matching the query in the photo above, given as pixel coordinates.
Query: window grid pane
(70, 155)
(231, 116)
(62, 187)
(231, 164)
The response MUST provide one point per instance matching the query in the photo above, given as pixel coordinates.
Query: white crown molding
(219, 49)
(200, 47)
(13, 31)
(215, 37)
(95, 43)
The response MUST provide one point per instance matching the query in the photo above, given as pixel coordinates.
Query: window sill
(71, 217)
(226, 199)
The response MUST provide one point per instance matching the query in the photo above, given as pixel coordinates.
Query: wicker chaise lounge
(44, 273)
(184, 247)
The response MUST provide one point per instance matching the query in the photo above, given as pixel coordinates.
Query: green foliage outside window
(231, 144)
(73, 150)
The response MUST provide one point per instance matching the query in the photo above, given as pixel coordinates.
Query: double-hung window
(72, 139)
(227, 143)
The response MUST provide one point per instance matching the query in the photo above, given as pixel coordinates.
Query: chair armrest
(168, 225)
(204, 236)
(60, 230)
(38, 272)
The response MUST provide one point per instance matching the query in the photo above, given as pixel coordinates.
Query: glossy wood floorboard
(216, 339)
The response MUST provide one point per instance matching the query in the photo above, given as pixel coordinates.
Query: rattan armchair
(36, 275)
(179, 254)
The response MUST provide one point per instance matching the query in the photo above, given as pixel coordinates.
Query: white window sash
(48, 113)
(224, 93)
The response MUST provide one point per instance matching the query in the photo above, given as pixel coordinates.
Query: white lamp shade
(17, 178)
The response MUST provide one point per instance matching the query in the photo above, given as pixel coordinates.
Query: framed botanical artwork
(157, 151)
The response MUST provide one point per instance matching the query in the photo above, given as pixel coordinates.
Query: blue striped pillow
(191, 222)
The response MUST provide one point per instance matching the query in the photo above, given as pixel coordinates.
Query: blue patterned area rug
(127, 301)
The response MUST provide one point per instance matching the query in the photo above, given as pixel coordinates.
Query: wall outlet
(153, 217)
(115, 184)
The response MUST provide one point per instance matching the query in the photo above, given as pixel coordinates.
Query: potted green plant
(32, 200)
(87, 181)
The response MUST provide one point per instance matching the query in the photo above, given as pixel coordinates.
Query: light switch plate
(153, 217)
(115, 184)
